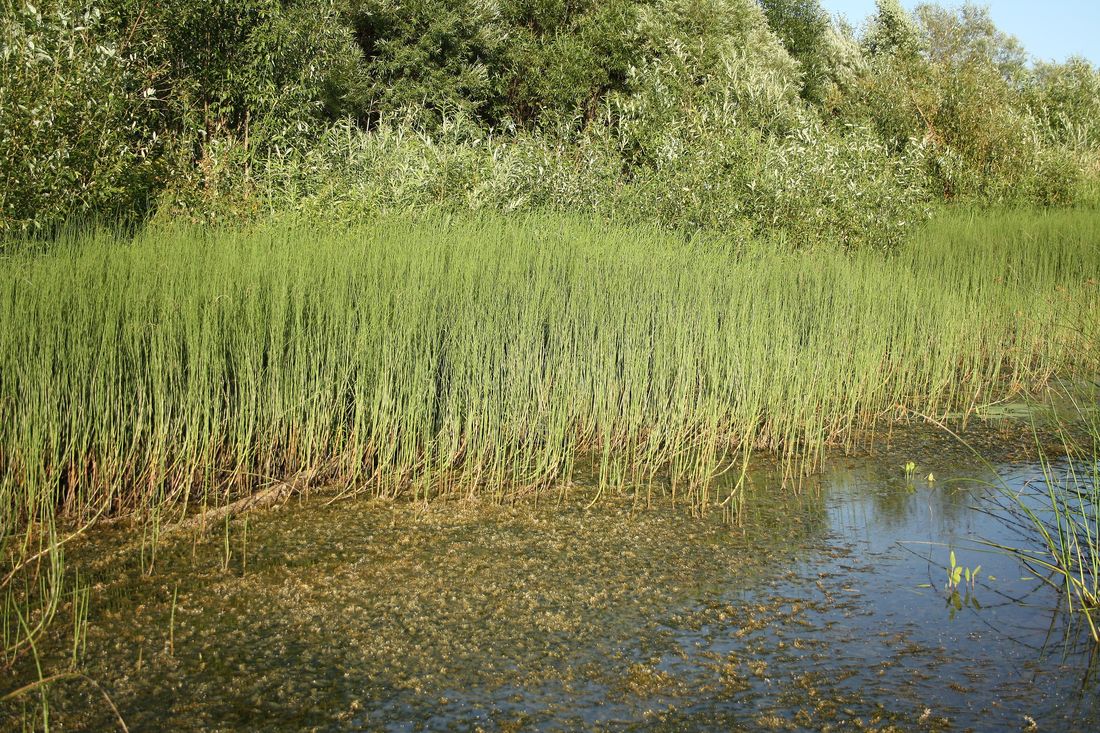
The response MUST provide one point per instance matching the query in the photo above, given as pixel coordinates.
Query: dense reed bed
(484, 355)
(408, 358)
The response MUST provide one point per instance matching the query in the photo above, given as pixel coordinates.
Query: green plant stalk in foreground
(482, 357)
(1063, 517)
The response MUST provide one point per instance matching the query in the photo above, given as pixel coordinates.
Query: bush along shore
(740, 116)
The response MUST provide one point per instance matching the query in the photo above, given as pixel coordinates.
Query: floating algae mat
(827, 610)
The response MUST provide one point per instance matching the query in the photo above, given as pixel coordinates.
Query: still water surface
(827, 611)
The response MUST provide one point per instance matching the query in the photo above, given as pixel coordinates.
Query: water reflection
(827, 610)
(984, 651)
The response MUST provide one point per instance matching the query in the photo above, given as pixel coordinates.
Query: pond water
(825, 611)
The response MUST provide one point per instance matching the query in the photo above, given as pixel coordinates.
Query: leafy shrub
(806, 32)
(351, 173)
(710, 67)
(950, 82)
(102, 104)
(729, 115)
(505, 63)
(1066, 100)
(77, 120)
(844, 188)
(810, 188)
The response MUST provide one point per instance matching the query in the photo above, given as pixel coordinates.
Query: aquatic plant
(956, 574)
(1059, 519)
(427, 358)
(419, 358)
(187, 368)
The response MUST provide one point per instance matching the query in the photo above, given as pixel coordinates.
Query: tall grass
(1069, 525)
(1057, 517)
(483, 355)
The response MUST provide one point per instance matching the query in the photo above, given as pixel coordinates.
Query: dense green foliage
(722, 114)
(700, 185)
(104, 104)
(804, 28)
(483, 355)
(514, 62)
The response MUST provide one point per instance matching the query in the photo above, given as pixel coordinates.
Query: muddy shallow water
(827, 610)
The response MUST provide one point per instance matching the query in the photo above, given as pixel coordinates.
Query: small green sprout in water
(931, 477)
(910, 470)
(960, 577)
(172, 623)
(956, 574)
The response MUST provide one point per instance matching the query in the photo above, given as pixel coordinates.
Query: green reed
(1069, 525)
(482, 356)
(1058, 518)
(416, 358)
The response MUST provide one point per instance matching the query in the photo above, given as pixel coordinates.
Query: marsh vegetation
(482, 356)
(341, 310)
(370, 613)
(171, 376)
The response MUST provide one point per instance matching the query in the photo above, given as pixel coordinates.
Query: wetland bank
(587, 364)
(580, 476)
(825, 611)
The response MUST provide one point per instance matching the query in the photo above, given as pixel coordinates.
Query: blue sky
(1049, 29)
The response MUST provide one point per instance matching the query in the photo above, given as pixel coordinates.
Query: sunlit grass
(482, 356)
(485, 357)
(1058, 517)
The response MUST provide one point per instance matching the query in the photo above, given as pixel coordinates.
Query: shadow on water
(828, 610)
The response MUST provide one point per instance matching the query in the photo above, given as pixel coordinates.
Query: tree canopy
(771, 114)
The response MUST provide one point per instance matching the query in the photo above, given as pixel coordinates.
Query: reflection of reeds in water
(482, 356)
